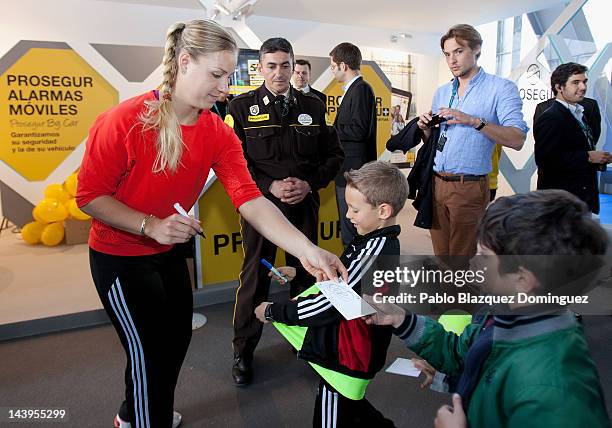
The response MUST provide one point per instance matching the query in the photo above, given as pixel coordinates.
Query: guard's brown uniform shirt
(281, 137)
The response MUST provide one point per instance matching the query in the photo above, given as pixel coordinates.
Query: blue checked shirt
(492, 98)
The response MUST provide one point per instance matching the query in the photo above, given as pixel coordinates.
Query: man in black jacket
(565, 151)
(592, 115)
(355, 123)
(301, 80)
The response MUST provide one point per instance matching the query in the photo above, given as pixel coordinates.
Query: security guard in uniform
(291, 153)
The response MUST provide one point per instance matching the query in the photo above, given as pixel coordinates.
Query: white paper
(404, 367)
(345, 300)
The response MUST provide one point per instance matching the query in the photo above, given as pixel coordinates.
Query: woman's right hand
(175, 229)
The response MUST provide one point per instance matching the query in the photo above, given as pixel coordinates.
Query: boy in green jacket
(529, 367)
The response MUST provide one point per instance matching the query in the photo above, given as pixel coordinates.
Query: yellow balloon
(71, 184)
(52, 234)
(49, 211)
(36, 216)
(57, 191)
(75, 212)
(31, 232)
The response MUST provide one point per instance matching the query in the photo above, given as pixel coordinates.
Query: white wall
(317, 38)
(426, 72)
(94, 21)
(428, 80)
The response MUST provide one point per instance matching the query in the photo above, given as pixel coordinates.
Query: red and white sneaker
(177, 418)
(120, 423)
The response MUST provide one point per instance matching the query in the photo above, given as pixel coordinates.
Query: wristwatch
(268, 313)
(483, 123)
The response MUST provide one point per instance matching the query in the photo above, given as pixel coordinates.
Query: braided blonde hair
(197, 37)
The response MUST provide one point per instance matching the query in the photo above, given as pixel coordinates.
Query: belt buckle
(446, 178)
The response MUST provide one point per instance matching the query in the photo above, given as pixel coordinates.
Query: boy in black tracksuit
(375, 194)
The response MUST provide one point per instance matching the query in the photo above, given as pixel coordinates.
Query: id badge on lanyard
(586, 129)
(443, 138)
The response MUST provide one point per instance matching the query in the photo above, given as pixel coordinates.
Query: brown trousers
(457, 209)
(254, 282)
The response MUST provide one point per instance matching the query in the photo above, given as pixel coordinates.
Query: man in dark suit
(301, 80)
(591, 113)
(355, 123)
(565, 141)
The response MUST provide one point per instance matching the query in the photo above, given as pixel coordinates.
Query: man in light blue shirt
(481, 110)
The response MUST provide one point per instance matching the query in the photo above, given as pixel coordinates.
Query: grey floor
(83, 371)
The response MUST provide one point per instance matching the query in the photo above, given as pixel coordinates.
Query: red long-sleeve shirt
(119, 159)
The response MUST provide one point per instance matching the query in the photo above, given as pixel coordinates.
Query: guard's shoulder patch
(309, 95)
(229, 120)
(311, 99)
(245, 95)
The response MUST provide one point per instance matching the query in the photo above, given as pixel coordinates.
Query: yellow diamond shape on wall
(49, 98)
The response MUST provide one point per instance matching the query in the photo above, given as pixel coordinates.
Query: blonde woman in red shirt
(142, 156)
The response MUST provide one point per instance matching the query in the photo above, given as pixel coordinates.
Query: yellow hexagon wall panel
(49, 98)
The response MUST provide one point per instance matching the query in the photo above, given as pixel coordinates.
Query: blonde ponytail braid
(160, 115)
(197, 38)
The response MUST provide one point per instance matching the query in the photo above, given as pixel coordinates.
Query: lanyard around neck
(454, 93)
(586, 129)
(452, 98)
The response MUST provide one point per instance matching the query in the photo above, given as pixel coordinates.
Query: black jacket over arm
(420, 177)
(561, 154)
(356, 127)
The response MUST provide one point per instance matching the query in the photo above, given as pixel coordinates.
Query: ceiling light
(395, 37)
